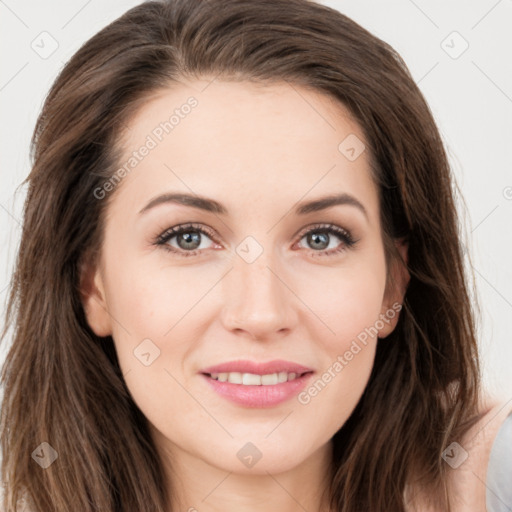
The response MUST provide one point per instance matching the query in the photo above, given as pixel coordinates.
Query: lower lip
(259, 396)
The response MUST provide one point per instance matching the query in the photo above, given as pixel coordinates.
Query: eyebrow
(210, 205)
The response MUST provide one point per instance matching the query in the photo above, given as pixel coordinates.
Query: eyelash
(344, 235)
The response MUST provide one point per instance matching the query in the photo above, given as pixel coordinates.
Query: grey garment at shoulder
(499, 470)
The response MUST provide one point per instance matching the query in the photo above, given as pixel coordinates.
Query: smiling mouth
(252, 379)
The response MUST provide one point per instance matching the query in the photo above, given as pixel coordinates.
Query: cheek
(335, 392)
(166, 305)
(346, 300)
(152, 334)
(347, 340)
(350, 309)
(348, 304)
(151, 299)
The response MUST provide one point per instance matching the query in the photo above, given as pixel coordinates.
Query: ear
(92, 293)
(396, 286)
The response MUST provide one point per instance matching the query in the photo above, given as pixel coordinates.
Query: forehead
(245, 144)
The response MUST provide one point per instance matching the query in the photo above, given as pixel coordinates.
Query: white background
(470, 96)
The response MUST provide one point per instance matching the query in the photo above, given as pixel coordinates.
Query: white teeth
(235, 378)
(251, 379)
(269, 380)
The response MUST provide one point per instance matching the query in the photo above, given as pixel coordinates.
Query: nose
(258, 301)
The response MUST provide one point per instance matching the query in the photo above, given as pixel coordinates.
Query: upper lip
(245, 366)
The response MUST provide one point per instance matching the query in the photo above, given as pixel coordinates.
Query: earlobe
(92, 294)
(395, 290)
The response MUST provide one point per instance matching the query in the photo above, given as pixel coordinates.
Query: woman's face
(254, 286)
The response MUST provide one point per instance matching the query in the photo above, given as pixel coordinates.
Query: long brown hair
(63, 384)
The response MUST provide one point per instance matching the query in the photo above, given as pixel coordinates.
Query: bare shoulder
(468, 475)
(468, 459)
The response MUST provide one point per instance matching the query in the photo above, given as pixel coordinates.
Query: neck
(198, 486)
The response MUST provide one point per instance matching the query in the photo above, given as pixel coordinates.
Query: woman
(180, 341)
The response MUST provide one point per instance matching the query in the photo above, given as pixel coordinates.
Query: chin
(258, 456)
(273, 464)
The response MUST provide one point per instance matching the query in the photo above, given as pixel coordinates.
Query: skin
(258, 150)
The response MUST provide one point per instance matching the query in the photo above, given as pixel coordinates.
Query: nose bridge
(256, 299)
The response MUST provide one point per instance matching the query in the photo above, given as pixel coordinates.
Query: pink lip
(258, 396)
(245, 366)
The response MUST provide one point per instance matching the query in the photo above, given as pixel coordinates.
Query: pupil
(189, 237)
(315, 238)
